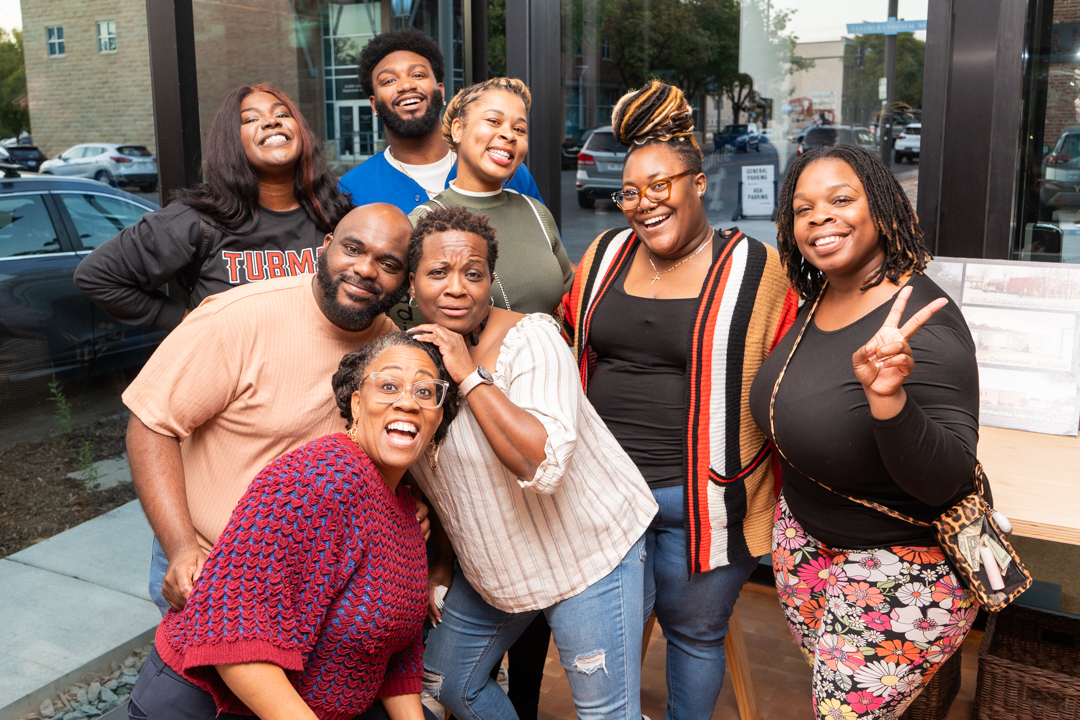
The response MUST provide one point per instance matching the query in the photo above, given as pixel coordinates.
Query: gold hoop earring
(351, 432)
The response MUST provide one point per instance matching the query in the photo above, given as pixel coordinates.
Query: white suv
(111, 163)
(907, 142)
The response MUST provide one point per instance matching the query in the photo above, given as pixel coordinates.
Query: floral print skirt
(875, 625)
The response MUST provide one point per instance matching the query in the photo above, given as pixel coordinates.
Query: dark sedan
(25, 157)
(47, 327)
(743, 138)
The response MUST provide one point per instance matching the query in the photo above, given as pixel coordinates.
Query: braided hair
(896, 221)
(657, 113)
(459, 104)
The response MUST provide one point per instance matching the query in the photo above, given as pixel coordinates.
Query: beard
(412, 127)
(346, 318)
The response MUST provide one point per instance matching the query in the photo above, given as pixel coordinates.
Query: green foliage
(496, 49)
(88, 471)
(910, 59)
(63, 409)
(14, 112)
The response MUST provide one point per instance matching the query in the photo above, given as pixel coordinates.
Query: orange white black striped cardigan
(746, 307)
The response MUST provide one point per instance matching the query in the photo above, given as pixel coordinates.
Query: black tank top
(639, 384)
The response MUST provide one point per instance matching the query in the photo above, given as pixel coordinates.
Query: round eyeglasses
(657, 191)
(388, 389)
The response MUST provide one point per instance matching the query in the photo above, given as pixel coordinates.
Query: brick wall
(87, 96)
(249, 42)
(1061, 93)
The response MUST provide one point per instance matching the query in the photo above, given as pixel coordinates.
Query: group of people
(394, 398)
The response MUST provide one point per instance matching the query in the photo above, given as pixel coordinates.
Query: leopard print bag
(969, 536)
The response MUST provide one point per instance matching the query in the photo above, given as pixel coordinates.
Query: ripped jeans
(597, 632)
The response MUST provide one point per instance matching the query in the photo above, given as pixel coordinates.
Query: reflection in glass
(1048, 213)
(759, 74)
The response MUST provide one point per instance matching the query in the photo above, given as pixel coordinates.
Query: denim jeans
(159, 564)
(597, 632)
(692, 610)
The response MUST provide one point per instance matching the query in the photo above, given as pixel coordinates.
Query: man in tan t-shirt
(245, 378)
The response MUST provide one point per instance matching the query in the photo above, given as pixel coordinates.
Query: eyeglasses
(388, 389)
(658, 191)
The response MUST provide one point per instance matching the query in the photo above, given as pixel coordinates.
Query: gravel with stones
(96, 695)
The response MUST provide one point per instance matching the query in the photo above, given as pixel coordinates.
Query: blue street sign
(892, 27)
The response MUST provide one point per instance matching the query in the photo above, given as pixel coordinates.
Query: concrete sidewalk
(71, 599)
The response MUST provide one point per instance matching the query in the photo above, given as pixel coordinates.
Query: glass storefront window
(319, 44)
(1047, 224)
(767, 79)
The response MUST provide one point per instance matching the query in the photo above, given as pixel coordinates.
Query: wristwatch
(479, 376)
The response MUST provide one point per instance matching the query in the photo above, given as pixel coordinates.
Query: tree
(496, 44)
(910, 59)
(14, 111)
(740, 88)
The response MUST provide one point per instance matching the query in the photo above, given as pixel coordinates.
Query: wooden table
(1035, 480)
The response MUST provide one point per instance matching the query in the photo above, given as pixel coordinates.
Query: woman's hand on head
(455, 354)
(884, 363)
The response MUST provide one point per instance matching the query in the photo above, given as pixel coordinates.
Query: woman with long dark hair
(266, 202)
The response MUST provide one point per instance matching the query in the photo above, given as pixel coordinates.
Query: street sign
(891, 27)
(758, 190)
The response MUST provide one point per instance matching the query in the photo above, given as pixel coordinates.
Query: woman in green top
(487, 126)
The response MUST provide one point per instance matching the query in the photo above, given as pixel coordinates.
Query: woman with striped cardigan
(669, 321)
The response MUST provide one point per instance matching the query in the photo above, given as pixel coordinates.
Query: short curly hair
(351, 371)
(897, 224)
(459, 104)
(391, 41)
(445, 219)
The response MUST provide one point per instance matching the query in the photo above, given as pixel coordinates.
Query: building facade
(87, 75)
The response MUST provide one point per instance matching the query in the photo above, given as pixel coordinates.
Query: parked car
(108, 163)
(600, 165)
(1061, 172)
(826, 135)
(47, 327)
(571, 146)
(743, 137)
(906, 145)
(27, 157)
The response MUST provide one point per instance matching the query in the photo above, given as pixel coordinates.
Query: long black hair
(229, 193)
(896, 221)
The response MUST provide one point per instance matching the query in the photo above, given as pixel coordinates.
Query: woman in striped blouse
(544, 510)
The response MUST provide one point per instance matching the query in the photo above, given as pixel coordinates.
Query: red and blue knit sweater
(321, 571)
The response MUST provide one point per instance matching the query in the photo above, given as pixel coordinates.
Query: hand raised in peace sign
(884, 363)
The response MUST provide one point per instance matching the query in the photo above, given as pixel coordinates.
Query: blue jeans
(159, 564)
(692, 610)
(597, 632)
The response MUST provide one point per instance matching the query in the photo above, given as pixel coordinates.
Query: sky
(10, 14)
(823, 20)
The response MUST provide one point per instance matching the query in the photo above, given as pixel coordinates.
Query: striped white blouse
(527, 544)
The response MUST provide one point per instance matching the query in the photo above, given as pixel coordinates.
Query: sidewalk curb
(99, 666)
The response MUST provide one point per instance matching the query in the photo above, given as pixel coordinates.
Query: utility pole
(885, 136)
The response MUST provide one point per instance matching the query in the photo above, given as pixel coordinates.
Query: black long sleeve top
(918, 463)
(124, 275)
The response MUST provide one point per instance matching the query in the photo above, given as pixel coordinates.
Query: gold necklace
(401, 167)
(688, 257)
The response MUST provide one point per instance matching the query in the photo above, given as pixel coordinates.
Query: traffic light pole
(886, 134)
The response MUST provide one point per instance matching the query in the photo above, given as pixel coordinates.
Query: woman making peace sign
(872, 395)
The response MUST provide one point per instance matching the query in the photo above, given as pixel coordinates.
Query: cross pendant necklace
(691, 256)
